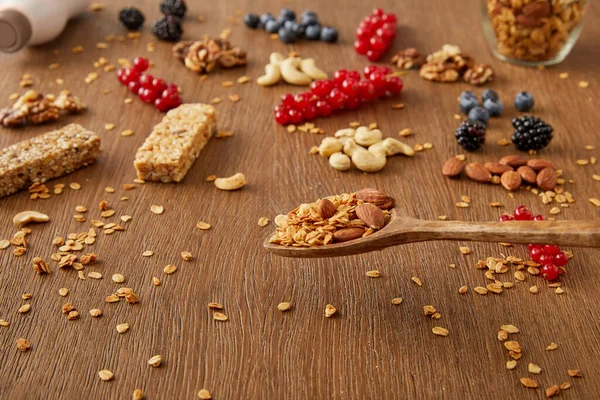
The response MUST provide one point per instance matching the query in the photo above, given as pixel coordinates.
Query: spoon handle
(561, 233)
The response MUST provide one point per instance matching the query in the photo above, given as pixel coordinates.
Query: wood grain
(370, 349)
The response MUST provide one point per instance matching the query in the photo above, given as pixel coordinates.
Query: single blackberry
(167, 28)
(470, 134)
(176, 8)
(132, 18)
(531, 133)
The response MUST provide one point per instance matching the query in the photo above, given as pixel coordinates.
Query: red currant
(377, 44)
(352, 103)
(369, 69)
(169, 91)
(378, 79)
(505, 217)
(523, 213)
(536, 253)
(389, 18)
(282, 117)
(532, 246)
(375, 21)
(310, 112)
(561, 259)
(350, 87)
(551, 250)
(378, 12)
(147, 95)
(550, 272)
(387, 33)
(339, 76)
(159, 85)
(288, 100)
(302, 101)
(295, 116)
(134, 87)
(324, 109)
(394, 85)
(321, 88)
(538, 217)
(141, 64)
(146, 81)
(545, 259)
(364, 32)
(384, 70)
(337, 98)
(163, 104)
(361, 46)
(366, 90)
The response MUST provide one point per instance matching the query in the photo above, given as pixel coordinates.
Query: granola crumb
(285, 306)
(396, 300)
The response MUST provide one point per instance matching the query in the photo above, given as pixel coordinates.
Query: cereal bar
(174, 144)
(46, 157)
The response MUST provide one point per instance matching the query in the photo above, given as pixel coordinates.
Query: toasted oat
(583, 84)
(575, 373)
(510, 328)
(565, 386)
(155, 361)
(405, 132)
(113, 298)
(511, 364)
(552, 346)
(373, 274)
(127, 132)
(215, 306)
(24, 309)
(157, 209)
(204, 395)
(4, 244)
(155, 281)
(203, 225)
(118, 278)
(502, 335)
(285, 306)
(138, 394)
(330, 310)
(429, 310)
(595, 202)
(529, 383)
(417, 281)
(437, 330)
(95, 275)
(398, 106)
(74, 185)
(169, 269)
(552, 391)
(4, 323)
(263, 221)
(559, 290)
(95, 312)
(480, 290)
(126, 218)
(211, 178)
(396, 300)
(147, 253)
(534, 289)
(23, 344)
(243, 79)
(106, 375)
(220, 317)
(533, 368)
(463, 289)
(122, 328)
(465, 250)
(63, 292)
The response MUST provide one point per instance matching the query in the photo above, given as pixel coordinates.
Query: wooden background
(370, 349)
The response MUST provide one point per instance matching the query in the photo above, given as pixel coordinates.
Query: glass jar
(532, 32)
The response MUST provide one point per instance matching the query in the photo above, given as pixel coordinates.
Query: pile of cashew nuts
(293, 70)
(365, 148)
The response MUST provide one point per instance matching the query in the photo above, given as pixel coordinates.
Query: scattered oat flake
(155, 361)
(204, 395)
(595, 202)
(211, 178)
(223, 134)
(583, 84)
(575, 373)
(465, 250)
(529, 383)
(118, 278)
(373, 274)
(25, 308)
(285, 306)
(417, 281)
(4, 244)
(263, 221)
(510, 328)
(463, 289)
(127, 132)
(565, 386)
(155, 281)
(97, 7)
(552, 346)
(138, 394)
(220, 317)
(534, 369)
(4, 323)
(559, 290)
(243, 79)
(106, 375)
(95, 275)
(122, 328)
(126, 218)
(396, 300)
(215, 306)
(95, 312)
(147, 253)
(534, 289)
(437, 330)
(398, 106)
(215, 100)
(203, 225)
(563, 75)
(74, 185)
(480, 290)
(405, 132)
(169, 269)
(330, 310)
(511, 364)
(552, 391)
(157, 209)
(23, 344)
(186, 255)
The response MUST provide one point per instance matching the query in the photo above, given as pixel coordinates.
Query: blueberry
(495, 108)
(489, 94)
(479, 114)
(309, 18)
(308, 13)
(266, 18)
(252, 20)
(329, 34)
(467, 94)
(287, 35)
(272, 26)
(467, 103)
(313, 32)
(524, 101)
(288, 14)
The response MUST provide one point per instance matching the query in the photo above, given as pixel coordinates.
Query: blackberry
(132, 18)
(176, 8)
(531, 133)
(167, 28)
(470, 134)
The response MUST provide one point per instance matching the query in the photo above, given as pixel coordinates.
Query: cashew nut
(393, 146)
(276, 58)
(378, 148)
(232, 183)
(291, 73)
(367, 161)
(340, 161)
(309, 67)
(366, 137)
(350, 147)
(25, 217)
(348, 132)
(330, 145)
(272, 75)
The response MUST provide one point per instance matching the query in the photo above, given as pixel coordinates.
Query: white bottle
(32, 22)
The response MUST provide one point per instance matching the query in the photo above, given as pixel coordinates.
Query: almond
(453, 167)
(546, 179)
(346, 234)
(514, 160)
(478, 173)
(537, 165)
(326, 209)
(497, 168)
(511, 180)
(527, 173)
(371, 215)
(376, 197)
(537, 9)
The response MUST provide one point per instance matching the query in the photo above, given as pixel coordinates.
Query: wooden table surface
(370, 349)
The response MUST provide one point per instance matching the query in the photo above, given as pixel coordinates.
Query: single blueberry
(287, 14)
(467, 103)
(313, 32)
(524, 101)
(489, 94)
(467, 94)
(272, 26)
(495, 108)
(287, 35)
(252, 20)
(479, 114)
(329, 34)
(266, 18)
(309, 19)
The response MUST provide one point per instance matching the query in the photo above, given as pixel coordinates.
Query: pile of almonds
(511, 172)
(334, 219)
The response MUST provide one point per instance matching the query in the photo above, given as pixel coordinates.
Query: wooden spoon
(403, 229)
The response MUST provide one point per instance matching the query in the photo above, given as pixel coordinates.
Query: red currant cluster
(345, 91)
(375, 34)
(550, 257)
(148, 88)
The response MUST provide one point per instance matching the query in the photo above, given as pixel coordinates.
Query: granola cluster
(203, 56)
(533, 30)
(36, 108)
(337, 218)
(449, 64)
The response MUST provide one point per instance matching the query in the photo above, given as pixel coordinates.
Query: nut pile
(36, 108)
(203, 56)
(334, 219)
(364, 147)
(533, 30)
(293, 70)
(449, 64)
